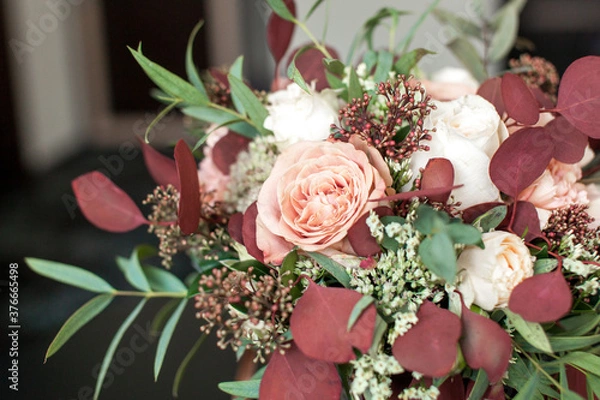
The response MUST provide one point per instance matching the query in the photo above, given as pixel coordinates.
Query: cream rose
(468, 133)
(315, 194)
(295, 115)
(489, 275)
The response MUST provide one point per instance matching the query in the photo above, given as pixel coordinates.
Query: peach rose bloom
(557, 187)
(450, 83)
(315, 194)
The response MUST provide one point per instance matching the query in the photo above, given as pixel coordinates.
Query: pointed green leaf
(567, 343)
(279, 7)
(545, 265)
(112, 348)
(165, 338)
(437, 253)
(169, 82)
(132, 268)
(385, 60)
(313, 9)
(221, 117)
(409, 60)
(69, 275)
(586, 361)
(507, 27)
(77, 320)
(294, 73)
(337, 270)
(184, 363)
(358, 309)
(481, 385)
(492, 218)
(237, 68)
(159, 320)
(457, 22)
(381, 327)
(405, 43)
(469, 57)
(190, 66)
(244, 389)
(529, 390)
(161, 280)
(532, 332)
(334, 66)
(355, 90)
(464, 234)
(252, 106)
(594, 384)
(581, 324)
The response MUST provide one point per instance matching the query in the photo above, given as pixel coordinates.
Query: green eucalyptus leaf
(287, 268)
(506, 30)
(457, 22)
(190, 66)
(492, 218)
(112, 348)
(251, 104)
(221, 116)
(355, 90)
(245, 389)
(161, 280)
(430, 221)
(469, 57)
(405, 43)
(530, 331)
(184, 364)
(336, 83)
(294, 73)
(545, 265)
(279, 7)
(337, 270)
(169, 82)
(165, 338)
(358, 309)
(77, 320)
(258, 268)
(370, 59)
(464, 234)
(69, 275)
(385, 59)
(334, 66)
(437, 253)
(408, 61)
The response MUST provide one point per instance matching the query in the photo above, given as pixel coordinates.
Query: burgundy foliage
(234, 227)
(189, 201)
(310, 65)
(360, 238)
(472, 213)
(219, 76)
(319, 324)
(429, 193)
(577, 382)
(293, 375)
(543, 100)
(579, 95)
(520, 160)
(569, 142)
(249, 232)
(105, 205)
(431, 346)
(542, 298)
(520, 103)
(438, 172)
(161, 168)
(227, 149)
(485, 344)
(490, 90)
(279, 34)
(526, 220)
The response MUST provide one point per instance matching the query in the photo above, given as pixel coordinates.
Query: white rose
(295, 115)
(489, 275)
(468, 133)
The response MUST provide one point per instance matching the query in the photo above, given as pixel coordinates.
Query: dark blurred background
(72, 96)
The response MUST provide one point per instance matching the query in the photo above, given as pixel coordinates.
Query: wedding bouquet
(364, 233)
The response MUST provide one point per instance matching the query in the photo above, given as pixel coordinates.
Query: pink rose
(315, 194)
(557, 187)
(213, 181)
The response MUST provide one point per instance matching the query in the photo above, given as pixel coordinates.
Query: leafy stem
(537, 366)
(312, 37)
(149, 295)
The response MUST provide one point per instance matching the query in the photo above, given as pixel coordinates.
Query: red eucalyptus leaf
(319, 324)
(485, 344)
(105, 205)
(520, 160)
(526, 220)
(227, 149)
(161, 168)
(189, 200)
(234, 227)
(520, 103)
(542, 298)
(577, 381)
(438, 172)
(360, 238)
(490, 90)
(472, 213)
(579, 95)
(310, 65)
(418, 193)
(569, 142)
(279, 33)
(542, 98)
(249, 232)
(431, 346)
(293, 375)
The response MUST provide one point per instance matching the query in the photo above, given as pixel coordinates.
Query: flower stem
(149, 295)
